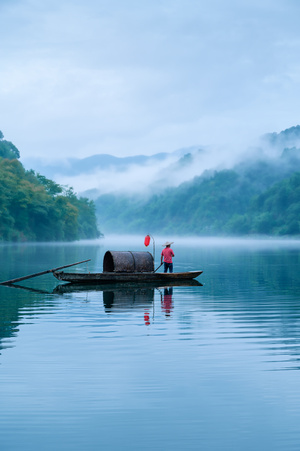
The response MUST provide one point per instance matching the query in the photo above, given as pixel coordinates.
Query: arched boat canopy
(127, 261)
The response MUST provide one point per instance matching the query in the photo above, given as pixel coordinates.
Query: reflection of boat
(125, 277)
(139, 298)
(76, 287)
(115, 296)
(129, 295)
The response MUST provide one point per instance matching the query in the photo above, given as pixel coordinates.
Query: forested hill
(35, 208)
(260, 196)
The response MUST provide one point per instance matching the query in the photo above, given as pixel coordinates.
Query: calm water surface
(208, 367)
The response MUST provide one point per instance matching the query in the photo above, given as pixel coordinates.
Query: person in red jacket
(166, 257)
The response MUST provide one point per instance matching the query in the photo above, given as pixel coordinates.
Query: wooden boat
(118, 268)
(124, 277)
(125, 268)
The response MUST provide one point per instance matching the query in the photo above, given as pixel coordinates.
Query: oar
(158, 267)
(7, 282)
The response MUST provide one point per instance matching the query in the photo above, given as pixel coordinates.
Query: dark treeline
(35, 208)
(255, 197)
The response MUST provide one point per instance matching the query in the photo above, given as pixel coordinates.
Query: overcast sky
(80, 77)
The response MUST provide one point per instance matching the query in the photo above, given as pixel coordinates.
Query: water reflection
(167, 301)
(253, 316)
(19, 302)
(211, 364)
(130, 296)
(18, 306)
(127, 299)
(76, 287)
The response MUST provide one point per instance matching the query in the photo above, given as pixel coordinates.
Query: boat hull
(131, 277)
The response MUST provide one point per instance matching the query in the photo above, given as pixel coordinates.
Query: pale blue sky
(136, 77)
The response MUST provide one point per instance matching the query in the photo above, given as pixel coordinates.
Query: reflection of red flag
(147, 240)
(147, 318)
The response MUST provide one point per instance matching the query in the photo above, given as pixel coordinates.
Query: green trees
(226, 203)
(277, 210)
(7, 149)
(37, 209)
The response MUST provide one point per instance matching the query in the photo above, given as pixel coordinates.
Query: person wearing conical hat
(166, 256)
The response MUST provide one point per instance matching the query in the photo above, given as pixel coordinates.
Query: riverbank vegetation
(34, 208)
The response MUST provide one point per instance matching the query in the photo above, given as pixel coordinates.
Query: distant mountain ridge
(77, 166)
(259, 195)
(195, 190)
(103, 173)
(73, 167)
(286, 138)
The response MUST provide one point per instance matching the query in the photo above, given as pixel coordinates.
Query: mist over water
(213, 366)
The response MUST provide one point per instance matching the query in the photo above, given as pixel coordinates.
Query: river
(209, 367)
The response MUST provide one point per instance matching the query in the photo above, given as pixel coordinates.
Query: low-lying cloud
(143, 178)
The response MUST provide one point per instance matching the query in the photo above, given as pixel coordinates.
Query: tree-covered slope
(202, 206)
(256, 197)
(8, 149)
(277, 210)
(35, 208)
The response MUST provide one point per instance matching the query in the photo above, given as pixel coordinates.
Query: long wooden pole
(8, 282)
(158, 267)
